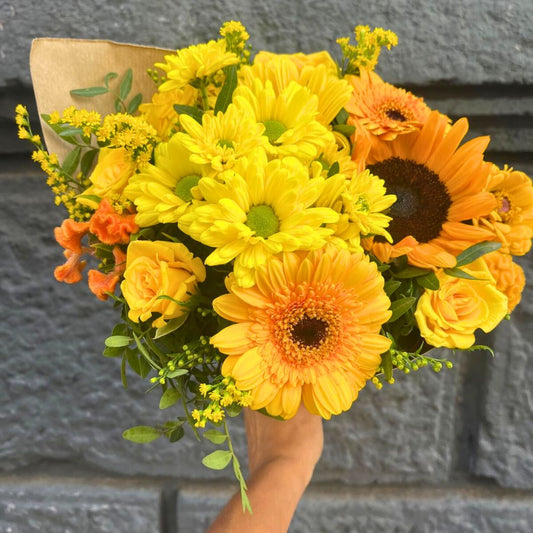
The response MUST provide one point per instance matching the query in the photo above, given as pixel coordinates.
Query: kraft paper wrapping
(59, 65)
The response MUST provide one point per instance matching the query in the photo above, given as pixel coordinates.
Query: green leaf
(334, 169)
(123, 376)
(386, 363)
(458, 273)
(233, 410)
(108, 77)
(429, 281)
(169, 398)
(87, 161)
(113, 352)
(391, 286)
(176, 434)
(411, 272)
(144, 367)
(118, 105)
(89, 92)
(70, 164)
(214, 436)
(193, 112)
(178, 372)
(125, 84)
(226, 93)
(117, 341)
(91, 197)
(170, 326)
(345, 129)
(70, 132)
(217, 460)
(476, 251)
(400, 307)
(141, 434)
(133, 360)
(342, 116)
(134, 104)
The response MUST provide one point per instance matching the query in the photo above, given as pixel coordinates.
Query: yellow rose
(509, 277)
(449, 316)
(110, 175)
(159, 268)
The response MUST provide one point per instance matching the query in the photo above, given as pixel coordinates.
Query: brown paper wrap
(60, 65)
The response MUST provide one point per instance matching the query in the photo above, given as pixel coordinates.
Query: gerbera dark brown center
(394, 114)
(309, 331)
(422, 201)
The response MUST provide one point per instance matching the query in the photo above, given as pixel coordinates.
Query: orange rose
(159, 268)
(450, 315)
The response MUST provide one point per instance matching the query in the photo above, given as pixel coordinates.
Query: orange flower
(307, 331)
(439, 188)
(111, 227)
(511, 222)
(70, 234)
(508, 275)
(70, 272)
(100, 284)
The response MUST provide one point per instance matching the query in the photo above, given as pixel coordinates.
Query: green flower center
(262, 220)
(274, 129)
(184, 186)
(224, 143)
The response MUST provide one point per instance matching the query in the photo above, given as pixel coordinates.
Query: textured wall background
(434, 453)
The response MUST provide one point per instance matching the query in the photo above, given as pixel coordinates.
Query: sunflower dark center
(422, 201)
(394, 114)
(309, 331)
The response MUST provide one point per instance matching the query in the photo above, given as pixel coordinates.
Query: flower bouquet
(274, 229)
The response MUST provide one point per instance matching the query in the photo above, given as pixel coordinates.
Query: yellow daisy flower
(289, 118)
(162, 192)
(223, 139)
(259, 210)
(196, 61)
(307, 331)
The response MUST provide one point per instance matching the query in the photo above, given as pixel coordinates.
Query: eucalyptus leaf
(89, 92)
(141, 434)
(476, 251)
(226, 93)
(169, 398)
(214, 436)
(217, 460)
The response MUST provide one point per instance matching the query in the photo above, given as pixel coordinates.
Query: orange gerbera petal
(311, 335)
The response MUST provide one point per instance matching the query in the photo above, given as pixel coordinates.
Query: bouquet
(277, 229)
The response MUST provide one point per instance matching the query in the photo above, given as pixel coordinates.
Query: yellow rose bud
(449, 316)
(159, 268)
(110, 175)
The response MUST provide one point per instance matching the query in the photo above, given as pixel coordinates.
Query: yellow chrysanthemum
(361, 202)
(308, 331)
(160, 112)
(223, 139)
(162, 192)
(289, 118)
(317, 72)
(259, 210)
(511, 223)
(196, 61)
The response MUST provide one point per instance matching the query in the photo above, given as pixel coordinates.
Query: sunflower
(162, 192)
(222, 139)
(289, 118)
(196, 61)
(308, 331)
(439, 188)
(511, 222)
(317, 72)
(259, 210)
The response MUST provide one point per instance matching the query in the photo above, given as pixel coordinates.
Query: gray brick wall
(433, 453)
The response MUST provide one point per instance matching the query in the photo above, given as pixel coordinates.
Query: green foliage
(226, 93)
(142, 434)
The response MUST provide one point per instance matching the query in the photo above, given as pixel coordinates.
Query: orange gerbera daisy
(380, 111)
(307, 331)
(511, 222)
(439, 188)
